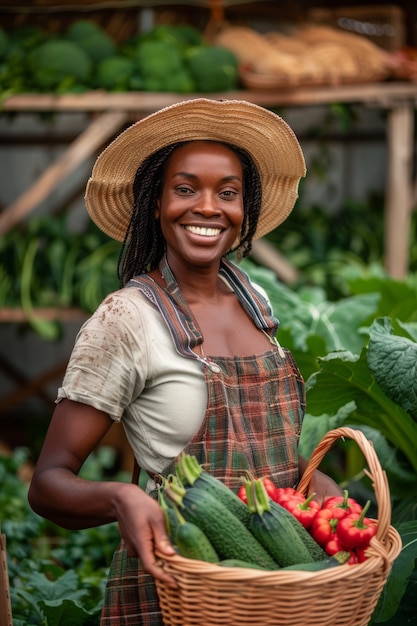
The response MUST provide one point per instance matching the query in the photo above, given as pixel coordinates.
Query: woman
(184, 354)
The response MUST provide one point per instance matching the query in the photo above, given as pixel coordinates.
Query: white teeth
(205, 232)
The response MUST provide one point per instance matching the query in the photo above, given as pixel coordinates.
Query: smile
(205, 232)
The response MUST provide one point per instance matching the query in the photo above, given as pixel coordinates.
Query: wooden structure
(5, 603)
(110, 113)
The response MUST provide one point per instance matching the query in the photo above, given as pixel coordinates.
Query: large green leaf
(393, 363)
(397, 298)
(399, 578)
(308, 312)
(344, 378)
(68, 613)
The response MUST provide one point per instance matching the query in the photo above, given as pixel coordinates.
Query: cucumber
(191, 473)
(317, 553)
(171, 518)
(227, 534)
(192, 543)
(337, 559)
(238, 563)
(272, 529)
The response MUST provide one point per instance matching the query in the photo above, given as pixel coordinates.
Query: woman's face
(201, 204)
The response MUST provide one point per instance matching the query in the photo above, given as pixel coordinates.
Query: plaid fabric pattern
(131, 597)
(253, 422)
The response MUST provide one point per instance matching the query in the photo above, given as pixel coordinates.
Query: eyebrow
(194, 177)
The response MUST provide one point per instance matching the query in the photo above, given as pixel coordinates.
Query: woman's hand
(322, 485)
(142, 526)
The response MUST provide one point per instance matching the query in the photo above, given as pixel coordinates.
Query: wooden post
(97, 133)
(399, 193)
(5, 604)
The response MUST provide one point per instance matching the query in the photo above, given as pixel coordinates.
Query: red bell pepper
(242, 494)
(283, 494)
(334, 545)
(356, 530)
(269, 487)
(362, 554)
(343, 502)
(325, 523)
(304, 510)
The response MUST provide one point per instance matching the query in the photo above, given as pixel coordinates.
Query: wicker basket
(209, 595)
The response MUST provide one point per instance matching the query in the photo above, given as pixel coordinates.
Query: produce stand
(109, 113)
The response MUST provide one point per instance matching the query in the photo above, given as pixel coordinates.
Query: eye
(229, 194)
(183, 190)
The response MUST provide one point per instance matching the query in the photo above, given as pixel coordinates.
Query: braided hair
(144, 244)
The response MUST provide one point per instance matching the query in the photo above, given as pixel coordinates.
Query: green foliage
(57, 577)
(52, 267)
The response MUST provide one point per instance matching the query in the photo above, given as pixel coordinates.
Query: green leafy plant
(57, 576)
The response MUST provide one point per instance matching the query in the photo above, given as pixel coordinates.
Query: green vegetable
(238, 563)
(57, 60)
(229, 537)
(171, 518)
(213, 68)
(191, 473)
(337, 559)
(272, 529)
(115, 73)
(162, 68)
(82, 29)
(98, 46)
(192, 543)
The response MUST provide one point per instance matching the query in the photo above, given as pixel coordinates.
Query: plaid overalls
(253, 421)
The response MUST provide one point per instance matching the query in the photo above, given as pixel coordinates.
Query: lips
(203, 231)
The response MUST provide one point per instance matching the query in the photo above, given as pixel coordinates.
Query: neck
(194, 282)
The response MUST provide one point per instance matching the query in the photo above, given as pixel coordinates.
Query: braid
(252, 200)
(144, 245)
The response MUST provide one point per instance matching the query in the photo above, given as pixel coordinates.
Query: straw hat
(264, 135)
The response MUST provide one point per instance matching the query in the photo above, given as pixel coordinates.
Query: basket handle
(374, 472)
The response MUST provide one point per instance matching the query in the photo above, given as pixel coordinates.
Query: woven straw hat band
(264, 135)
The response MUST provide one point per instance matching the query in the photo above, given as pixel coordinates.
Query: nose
(207, 205)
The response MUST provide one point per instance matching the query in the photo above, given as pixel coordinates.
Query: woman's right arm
(59, 494)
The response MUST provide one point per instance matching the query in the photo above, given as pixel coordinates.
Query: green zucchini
(272, 529)
(192, 543)
(192, 473)
(228, 535)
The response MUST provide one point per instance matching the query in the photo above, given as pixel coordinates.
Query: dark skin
(201, 213)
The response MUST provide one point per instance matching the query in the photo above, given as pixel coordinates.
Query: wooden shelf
(18, 315)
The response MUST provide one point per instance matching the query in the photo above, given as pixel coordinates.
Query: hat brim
(269, 140)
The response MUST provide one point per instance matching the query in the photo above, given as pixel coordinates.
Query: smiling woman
(182, 189)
